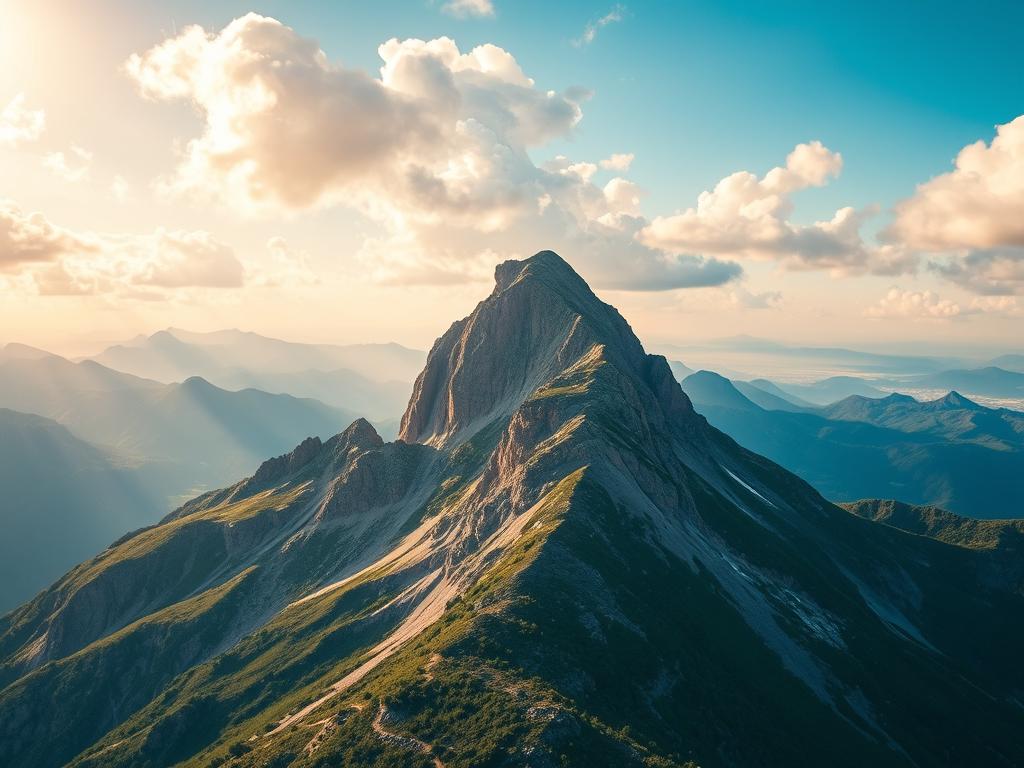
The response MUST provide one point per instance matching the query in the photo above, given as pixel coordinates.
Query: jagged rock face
(540, 319)
(282, 466)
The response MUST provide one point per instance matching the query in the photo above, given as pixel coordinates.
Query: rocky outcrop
(539, 320)
(280, 467)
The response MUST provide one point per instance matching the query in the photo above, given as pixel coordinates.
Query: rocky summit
(559, 563)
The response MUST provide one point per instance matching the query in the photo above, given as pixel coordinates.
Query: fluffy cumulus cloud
(283, 126)
(1000, 305)
(19, 124)
(972, 218)
(924, 305)
(436, 150)
(979, 204)
(464, 8)
(61, 261)
(748, 216)
(29, 237)
(620, 161)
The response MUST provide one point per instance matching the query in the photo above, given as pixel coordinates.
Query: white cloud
(284, 126)
(65, 262)
(436, 151)
(747, 216)
(563, 166)
(741, 297)
(994, 272)
(590, 31)
(899, 303)
(463, 8)
(72, 167)
(18, 124)
(972, 218)
(979, 204)
(618, 162)
(27, 238)
(623, 197)
(1000, 305)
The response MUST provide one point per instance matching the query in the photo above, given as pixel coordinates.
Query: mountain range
(559, 563)
(181, 436)
(828, 390)
(990, 381)
(950, 452)
(1012, 362)
(113, 452)
(373, 380)
(992, 384)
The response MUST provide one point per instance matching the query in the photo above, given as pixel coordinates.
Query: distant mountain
(179, 437)
(986, 382)
(62, 502)
(832, 389)
(373, 380)
(560, 563)
(763, 356)
(711, 389)
(679, 370)
(1005, 536)
(770, 401)
(950, 452)
(1009, 362)
(837, 356)
(15, 351)
(952, 417)
(774, 389)
(342, 388)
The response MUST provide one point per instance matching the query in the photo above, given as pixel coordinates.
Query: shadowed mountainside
(950, 452)
(63, 501)
(177, 437)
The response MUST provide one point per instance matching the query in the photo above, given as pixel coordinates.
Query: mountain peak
(544, 265)
(710, 388)
(898, 397)
(16, 351)
(197, 384)
(955, 400)
(540, 319)
(274, 469)
(361, 432)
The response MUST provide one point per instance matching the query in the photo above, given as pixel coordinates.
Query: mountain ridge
(560, 562)
(949, 451)
(372, 379)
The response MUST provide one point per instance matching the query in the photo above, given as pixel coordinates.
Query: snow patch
(747, 485)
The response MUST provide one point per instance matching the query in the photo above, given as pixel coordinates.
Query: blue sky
(700, 89)
(696, 91)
